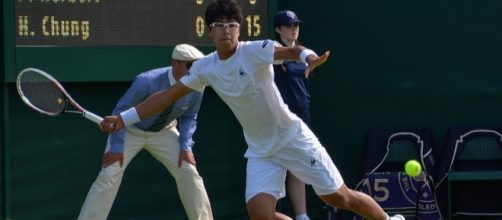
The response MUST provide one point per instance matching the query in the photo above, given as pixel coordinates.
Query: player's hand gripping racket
(44, 93)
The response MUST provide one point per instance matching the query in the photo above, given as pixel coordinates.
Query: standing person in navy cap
(294, 88)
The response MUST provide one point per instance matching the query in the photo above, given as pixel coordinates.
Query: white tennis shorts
(305, 157)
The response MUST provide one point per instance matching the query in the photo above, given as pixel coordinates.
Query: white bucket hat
(186, 52)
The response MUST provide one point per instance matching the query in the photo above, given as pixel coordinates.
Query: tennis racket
(45, 94)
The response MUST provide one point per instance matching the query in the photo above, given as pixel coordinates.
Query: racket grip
(93, 117)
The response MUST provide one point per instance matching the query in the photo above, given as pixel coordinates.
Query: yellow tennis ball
(413, 168)
(59, 100)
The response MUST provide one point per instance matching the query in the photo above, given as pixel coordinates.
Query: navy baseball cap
(286, 17)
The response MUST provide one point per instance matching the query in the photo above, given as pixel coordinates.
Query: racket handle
(93, 117)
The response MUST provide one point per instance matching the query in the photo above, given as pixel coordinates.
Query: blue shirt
(291, 82)
(185, 109)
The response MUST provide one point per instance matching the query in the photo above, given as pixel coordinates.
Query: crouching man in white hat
(158, 135)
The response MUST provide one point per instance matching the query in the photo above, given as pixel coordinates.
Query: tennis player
(159, 136)
(241, 73)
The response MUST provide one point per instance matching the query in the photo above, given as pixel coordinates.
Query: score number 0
(253, 24)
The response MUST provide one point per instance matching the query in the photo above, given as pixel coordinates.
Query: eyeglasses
(225, 25)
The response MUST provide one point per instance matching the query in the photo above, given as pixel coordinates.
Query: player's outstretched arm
(154, 104)
(301, 53)
(159, 101)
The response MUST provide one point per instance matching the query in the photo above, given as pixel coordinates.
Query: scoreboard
(125, 22)
(111, 40)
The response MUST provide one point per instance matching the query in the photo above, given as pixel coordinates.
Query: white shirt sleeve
(192, 79)
(260, 52)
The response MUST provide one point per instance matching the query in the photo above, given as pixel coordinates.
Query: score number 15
(253, 24)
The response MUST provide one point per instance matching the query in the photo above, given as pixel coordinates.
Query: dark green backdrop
(394, 64)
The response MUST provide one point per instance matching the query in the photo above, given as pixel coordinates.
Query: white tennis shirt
(245, 82)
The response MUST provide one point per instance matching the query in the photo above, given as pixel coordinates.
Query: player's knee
(261, 206)
(342, 199)
(260, 214)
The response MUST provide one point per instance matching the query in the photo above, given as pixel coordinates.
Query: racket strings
(42, 93)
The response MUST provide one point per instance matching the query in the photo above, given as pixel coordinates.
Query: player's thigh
(308, 160)
(264, 176)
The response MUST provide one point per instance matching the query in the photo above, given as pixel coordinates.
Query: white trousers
(164, 146)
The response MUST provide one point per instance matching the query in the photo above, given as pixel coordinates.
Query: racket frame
(79, 109)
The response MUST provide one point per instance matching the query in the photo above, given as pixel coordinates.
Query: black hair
(279, 39)
(219, 10)
(189, 64)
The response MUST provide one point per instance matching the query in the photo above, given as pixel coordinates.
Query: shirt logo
(264, 43)
(312, 162)
(242, 73)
